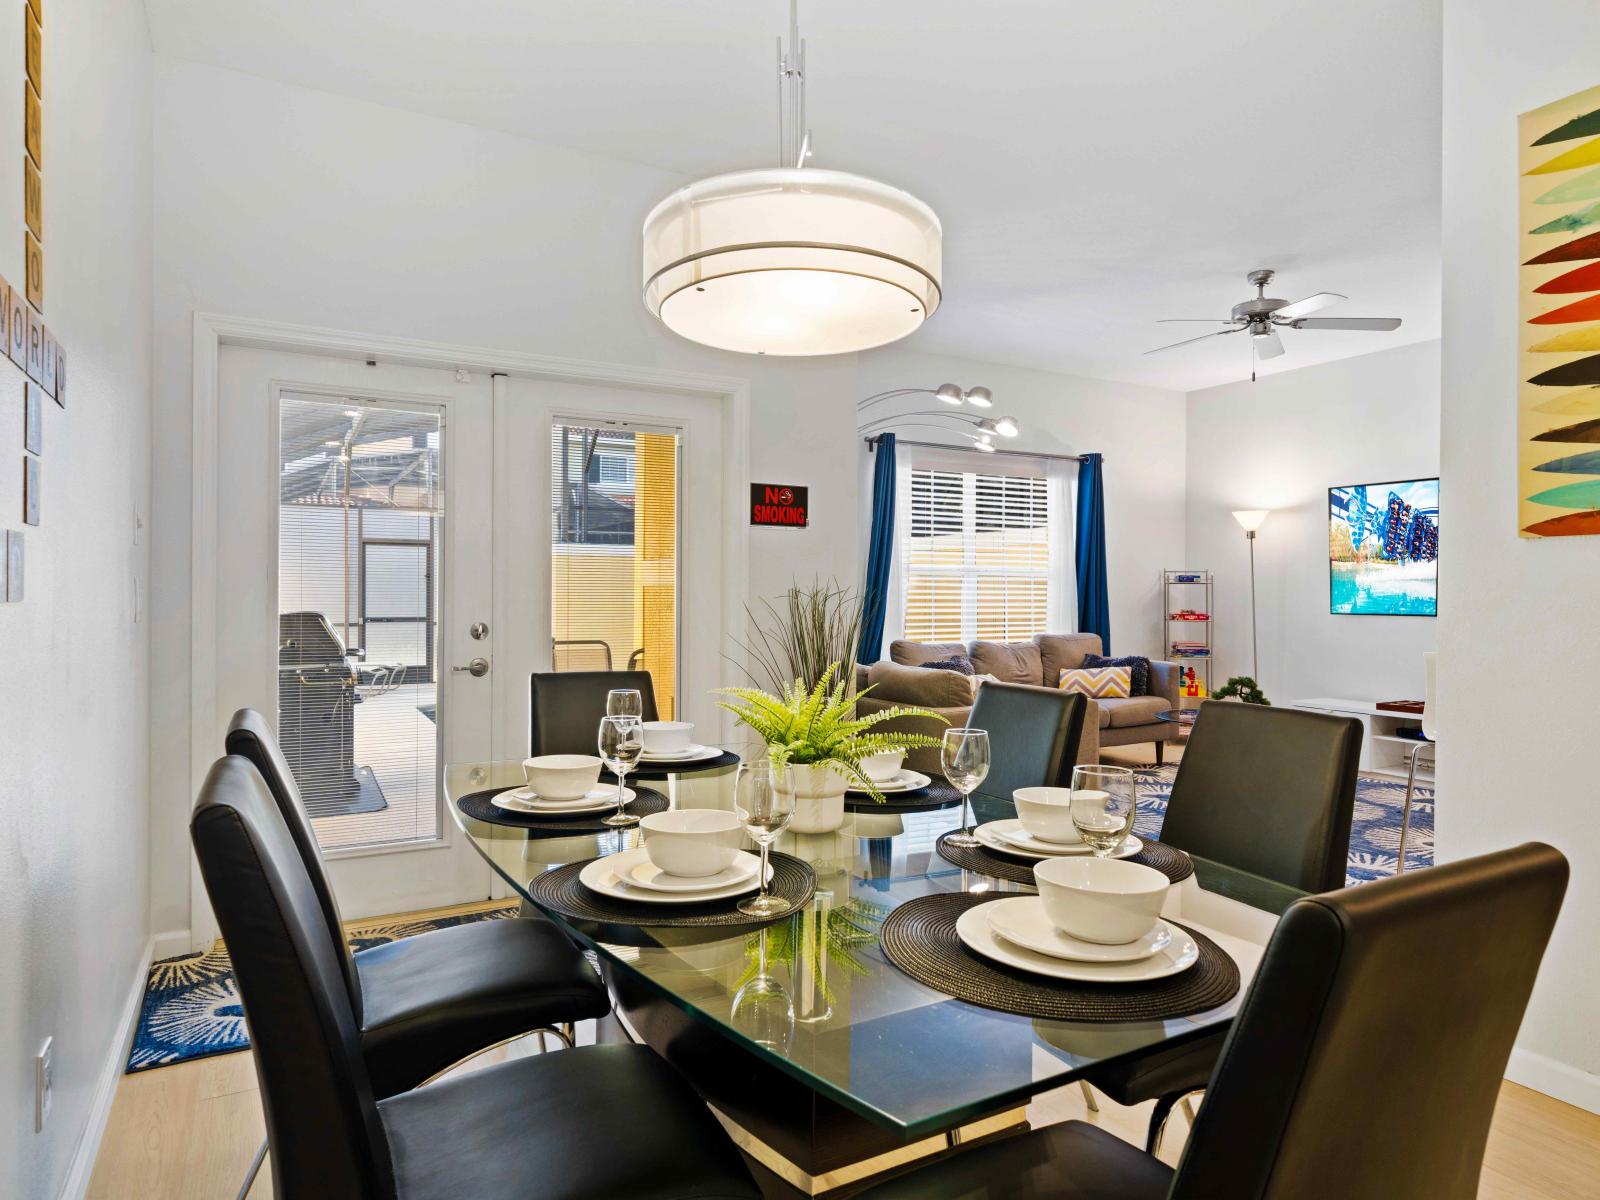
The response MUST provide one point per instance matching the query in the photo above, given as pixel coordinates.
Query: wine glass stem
(765, 846)
(622, 778)
(966, 812)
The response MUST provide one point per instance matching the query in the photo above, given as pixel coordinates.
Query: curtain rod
(899, 441)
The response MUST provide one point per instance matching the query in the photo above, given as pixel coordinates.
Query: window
(976, 556)
(359, 527)
(614, 552)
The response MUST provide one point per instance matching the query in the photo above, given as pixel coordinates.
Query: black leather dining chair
(1033, 739)
(1365, 1062)
(596, 1122)
(1265, 790)
(565, 707)
(425, 1002)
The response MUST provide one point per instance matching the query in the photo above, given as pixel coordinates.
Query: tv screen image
(1383, 548)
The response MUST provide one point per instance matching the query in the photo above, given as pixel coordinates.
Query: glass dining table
(872, 1059)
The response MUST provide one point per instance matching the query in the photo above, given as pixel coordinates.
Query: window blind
(360, 502)
(976, 556)
(614, 552)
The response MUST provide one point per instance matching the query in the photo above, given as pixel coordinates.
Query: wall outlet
(43, 1073)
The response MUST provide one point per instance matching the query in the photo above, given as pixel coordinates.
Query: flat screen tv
(1383, 548)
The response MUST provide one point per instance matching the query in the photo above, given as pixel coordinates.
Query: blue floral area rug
(1374, 823)
(191, 1004)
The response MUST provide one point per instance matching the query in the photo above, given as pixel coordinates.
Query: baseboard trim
(105, 1091)
(170, 944)
(1558, 1079)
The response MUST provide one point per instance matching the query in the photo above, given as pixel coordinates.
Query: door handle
(477, 668)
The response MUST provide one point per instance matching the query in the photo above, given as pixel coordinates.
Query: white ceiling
(1096, 166)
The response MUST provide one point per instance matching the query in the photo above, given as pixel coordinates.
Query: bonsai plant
(815, 732)
(1242, 687)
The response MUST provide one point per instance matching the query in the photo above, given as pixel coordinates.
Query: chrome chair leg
(1187, 1105)
(1405, 816)
(1088, 1095)
(255, 1169)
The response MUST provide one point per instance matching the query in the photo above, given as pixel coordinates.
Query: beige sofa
(903, 680)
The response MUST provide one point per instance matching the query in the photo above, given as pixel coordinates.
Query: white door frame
(214, 330)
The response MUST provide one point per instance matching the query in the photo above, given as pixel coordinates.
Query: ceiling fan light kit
(792, 260)
(1263, 315)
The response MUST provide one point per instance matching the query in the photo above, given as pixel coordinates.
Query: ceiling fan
(1264, 316)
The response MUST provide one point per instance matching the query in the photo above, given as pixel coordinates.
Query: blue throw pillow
(960, 664)
(1139, 683)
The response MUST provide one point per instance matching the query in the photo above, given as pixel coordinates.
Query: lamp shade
(792, 261)
(1251, 519)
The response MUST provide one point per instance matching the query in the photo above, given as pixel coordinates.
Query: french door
(402, 546)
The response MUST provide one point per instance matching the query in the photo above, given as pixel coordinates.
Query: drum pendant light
(792, 260)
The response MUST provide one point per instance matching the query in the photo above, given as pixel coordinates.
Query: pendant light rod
(794, 138)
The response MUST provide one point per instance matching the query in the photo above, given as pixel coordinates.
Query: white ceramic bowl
(1046, 813)
(692, 841)
(1105, 900)
(562, 776)
(884, 765)
(667, 737)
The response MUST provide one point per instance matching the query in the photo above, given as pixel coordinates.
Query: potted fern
(817, 733)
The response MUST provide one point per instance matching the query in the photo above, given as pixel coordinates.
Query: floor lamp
(1250, 520)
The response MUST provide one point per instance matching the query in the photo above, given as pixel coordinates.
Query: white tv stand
(1383, 751)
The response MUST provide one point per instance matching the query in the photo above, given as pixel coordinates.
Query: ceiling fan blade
(1194, 321)
(1311, 304)
(1378, 323)
(1201, 338)
(1268, 345)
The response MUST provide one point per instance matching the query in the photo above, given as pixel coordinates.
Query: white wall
(1519, 635)
(73, 711)
(1280, 444)
(1140, 430)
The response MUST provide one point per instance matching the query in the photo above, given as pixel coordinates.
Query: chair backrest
(1033, 736)
(250, 737)
(1430, 697)
(565, 707)
(1269, 791)
(1374, 1037)
(322, 1121)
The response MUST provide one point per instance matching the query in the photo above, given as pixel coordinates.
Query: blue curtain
(880, 553)
(1094, 612)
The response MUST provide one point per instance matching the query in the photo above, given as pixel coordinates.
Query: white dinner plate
(905, 781)
(688, 754)
(976, 934)
(1015, 832)
(609, 877)
(525, 800)
(1021, 920)
(991, 837)
(647, 875)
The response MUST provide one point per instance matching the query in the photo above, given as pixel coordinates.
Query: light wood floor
(188, 1132)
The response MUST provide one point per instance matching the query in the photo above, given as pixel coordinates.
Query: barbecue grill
(317, 695)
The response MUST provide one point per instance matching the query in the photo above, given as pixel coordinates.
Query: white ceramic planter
(818, 798)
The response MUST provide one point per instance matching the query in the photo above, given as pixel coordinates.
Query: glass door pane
(359, 527)
(614, 553)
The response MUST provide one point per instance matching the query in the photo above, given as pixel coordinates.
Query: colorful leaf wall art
(1558, 396)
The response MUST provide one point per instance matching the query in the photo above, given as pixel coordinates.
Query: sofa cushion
(1134, 710)
(959, 663)
(1099, 683)
(1009, 662)
(1063, 651)
(914, 654)
(1136, 664)
(896, 684)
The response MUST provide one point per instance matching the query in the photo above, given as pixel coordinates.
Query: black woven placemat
(1172, 863)
(920, 938)
(938, 794)
(478, 806)
(561, 891)
(660, 770)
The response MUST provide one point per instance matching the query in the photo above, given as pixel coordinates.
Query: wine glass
(1104, 801)
(762, 1010)
(625, 702)
(763, 796)
(965, 756)
(621, 744)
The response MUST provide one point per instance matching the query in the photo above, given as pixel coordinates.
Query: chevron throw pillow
(1102, 683)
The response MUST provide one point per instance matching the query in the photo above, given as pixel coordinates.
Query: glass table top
(864, 1034)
